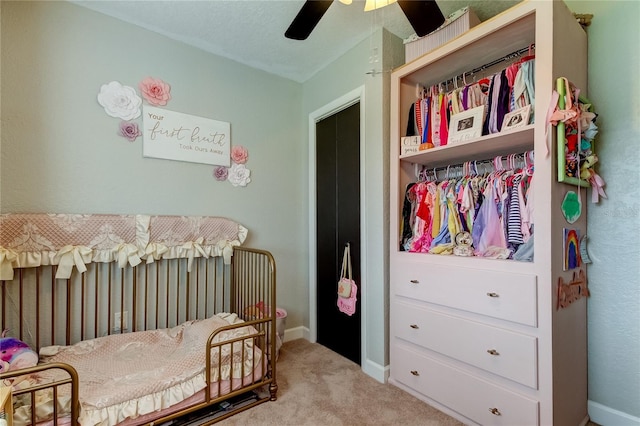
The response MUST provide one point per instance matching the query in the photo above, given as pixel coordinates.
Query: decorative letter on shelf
(573, 290)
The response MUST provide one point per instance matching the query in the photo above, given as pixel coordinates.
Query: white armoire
(483, 339)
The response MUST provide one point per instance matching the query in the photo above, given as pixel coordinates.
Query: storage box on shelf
(482, 339)
(457, 23)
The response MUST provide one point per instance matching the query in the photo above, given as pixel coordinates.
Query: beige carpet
(318, 387)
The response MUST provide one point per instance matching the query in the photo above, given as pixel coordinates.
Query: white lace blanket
(128, 375)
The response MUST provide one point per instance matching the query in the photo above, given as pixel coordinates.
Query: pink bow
(597, 187)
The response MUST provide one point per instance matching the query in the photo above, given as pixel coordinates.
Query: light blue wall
(60, 152)
(614, 223)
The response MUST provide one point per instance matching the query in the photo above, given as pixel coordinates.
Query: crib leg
(273, 390)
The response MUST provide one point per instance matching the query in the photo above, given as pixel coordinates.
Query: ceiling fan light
(376, 4)
(347, 2)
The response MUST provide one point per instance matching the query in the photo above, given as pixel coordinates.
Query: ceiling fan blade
(424, 15)
(307, 19)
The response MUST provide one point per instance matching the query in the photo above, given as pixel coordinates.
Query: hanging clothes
(435, 107)
(524, 88)
(505, 91)
(496, 209)
(408, 215)
(412, 129)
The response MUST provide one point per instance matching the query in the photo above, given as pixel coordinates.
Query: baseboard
(375, 370)
(296, 333)
(606, 416)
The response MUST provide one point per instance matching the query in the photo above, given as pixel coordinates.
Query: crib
(186, 285)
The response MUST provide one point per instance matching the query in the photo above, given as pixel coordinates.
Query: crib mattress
(126, 376)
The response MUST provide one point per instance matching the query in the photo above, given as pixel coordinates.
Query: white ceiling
(252, 31)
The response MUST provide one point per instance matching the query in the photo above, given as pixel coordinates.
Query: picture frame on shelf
(517, 118)
(466, 125)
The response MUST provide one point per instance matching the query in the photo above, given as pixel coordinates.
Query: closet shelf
(483, 148)
(472, 49)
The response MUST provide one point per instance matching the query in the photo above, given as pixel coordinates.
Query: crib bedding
(226, 386)
(126, 376)
(45, 412)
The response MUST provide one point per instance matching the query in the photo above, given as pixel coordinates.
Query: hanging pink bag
(347, 288)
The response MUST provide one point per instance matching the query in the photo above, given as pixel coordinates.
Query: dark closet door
(338, 223)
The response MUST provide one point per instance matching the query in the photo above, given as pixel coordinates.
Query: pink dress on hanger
(422, 228)
(492, 229)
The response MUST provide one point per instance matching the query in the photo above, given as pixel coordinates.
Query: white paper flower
(239, 175)
(120, 101)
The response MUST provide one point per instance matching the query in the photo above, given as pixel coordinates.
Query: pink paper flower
(221, 173)
(239, 154)
(129, 130)
(155, 91)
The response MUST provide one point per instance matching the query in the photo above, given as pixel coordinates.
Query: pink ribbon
(597, 187)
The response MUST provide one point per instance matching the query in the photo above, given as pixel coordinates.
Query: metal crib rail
(43, 311)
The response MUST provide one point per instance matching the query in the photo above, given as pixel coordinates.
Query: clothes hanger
(531, 55)
(417, 171)
(528, 162)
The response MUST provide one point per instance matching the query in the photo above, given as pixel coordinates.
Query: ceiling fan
(423, 15)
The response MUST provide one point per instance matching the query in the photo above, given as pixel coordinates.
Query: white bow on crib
(191, 248)
(226, 247)
(154, 251)
(68, 256)
(7, 257)
(127, 252)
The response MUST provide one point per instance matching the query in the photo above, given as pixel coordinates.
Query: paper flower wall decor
(239, 175)
(120, 101)
(221, 173)
(155, 91)
(129, 130)
(239, 154)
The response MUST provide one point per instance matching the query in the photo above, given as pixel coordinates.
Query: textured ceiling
(252, 32)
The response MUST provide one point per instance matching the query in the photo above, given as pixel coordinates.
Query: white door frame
(345, 101)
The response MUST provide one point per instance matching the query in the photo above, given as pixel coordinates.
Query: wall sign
(569, 292)
(176, 136)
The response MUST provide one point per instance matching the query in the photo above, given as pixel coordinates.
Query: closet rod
(504, 58)
(494, 62)
(521, 161)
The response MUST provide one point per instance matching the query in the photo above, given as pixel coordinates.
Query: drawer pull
(414, 281)
(415, 372)
(414, 326)
(495, 411)
(493, 294)
(492, 352)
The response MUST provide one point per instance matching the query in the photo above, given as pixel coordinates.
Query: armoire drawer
(509, 354)
(504, 295)
(474, 397)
